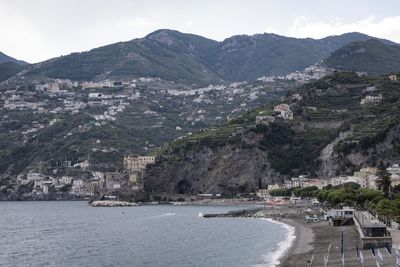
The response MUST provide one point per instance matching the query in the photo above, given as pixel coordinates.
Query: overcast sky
(41, 29)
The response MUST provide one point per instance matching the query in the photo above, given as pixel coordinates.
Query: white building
(65, 180)
(394, 169)
(371, 99)
(297, 182)
(284, 110)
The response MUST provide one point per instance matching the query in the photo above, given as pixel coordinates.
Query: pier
(234, 213)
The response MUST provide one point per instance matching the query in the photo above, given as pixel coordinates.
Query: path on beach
(324, 236)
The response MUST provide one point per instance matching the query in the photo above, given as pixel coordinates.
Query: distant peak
(163, 36)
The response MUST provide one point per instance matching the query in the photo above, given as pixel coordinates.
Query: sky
(41, 29)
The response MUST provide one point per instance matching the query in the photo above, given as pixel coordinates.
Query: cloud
(387, 28)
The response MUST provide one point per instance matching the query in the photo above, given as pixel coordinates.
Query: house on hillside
(371, 99)
(284, 110)
(393, 77)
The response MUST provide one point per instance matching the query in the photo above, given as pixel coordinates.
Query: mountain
(188, 58)
(249, 57)
(335, 130)
(371, 56)
(9, 69)
(4, 58)
(166, 54)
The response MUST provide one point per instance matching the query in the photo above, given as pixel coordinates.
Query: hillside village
(31, 111)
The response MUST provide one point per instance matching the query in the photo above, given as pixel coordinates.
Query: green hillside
(5, 58)
(9, 69)
(188, 58)
(330, 112)
(372, 56)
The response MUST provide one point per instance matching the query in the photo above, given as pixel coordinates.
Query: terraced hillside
(332, 133)
(50, 132)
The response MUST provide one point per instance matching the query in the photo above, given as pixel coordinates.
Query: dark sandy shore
(313, 241)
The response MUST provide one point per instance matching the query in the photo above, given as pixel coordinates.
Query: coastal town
(154, 111)
(200, 133)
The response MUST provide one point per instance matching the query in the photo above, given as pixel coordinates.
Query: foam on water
(273, 257)
(164, 214)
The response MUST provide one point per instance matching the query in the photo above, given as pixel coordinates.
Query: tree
(384, 182)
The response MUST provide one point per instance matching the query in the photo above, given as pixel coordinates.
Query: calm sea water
(74, 234)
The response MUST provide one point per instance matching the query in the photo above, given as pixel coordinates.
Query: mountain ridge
(371, 56)
(193, 59)
(5, 58)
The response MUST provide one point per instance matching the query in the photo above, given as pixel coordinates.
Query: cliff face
(231, 169)
(335, 160)
(223, 169)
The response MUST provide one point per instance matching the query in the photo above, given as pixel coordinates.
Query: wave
(273, 257)
(167, 214)
(200, 215)
(164, 214)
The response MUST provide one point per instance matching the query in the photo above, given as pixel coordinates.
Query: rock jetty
(111, 203)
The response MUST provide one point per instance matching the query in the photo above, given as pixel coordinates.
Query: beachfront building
(340, 217)
(297, 181)
(137, 164)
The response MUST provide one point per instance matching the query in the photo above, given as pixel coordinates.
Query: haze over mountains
(192, 59)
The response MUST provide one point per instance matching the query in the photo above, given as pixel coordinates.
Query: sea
(63, 233)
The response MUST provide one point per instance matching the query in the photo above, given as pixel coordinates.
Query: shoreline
(284, 246)
(302, 243)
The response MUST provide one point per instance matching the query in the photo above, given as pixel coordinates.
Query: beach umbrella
(388, 248)
(361, 259)
(342, 250)
(379, 256)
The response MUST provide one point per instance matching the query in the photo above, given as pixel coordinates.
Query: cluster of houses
(371, 99)
(314, 72)
(86, 186)
(366, 177)
(283, 111)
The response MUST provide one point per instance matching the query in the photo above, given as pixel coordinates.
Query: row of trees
(385, 201)
(347, 194)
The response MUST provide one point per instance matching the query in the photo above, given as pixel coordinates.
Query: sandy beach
(314, 239)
